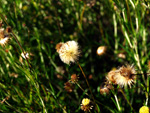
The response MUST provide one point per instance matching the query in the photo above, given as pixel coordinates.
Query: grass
(37, 84)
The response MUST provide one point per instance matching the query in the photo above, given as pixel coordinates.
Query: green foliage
(38, 85)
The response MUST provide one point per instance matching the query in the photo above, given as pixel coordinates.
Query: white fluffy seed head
(69, 52)
(125, 75)
(4, 41)
(124, 81)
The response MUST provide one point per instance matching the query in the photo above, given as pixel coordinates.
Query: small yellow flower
(86, 104)
(144, 109)
(85, 101)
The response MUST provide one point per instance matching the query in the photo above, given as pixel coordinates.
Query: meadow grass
(42, 83)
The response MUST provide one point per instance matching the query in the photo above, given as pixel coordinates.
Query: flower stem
(117, 102)
(127, 100)
(87, 83)
(16, 40)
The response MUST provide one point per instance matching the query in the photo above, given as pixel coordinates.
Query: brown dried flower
(111, 77)
(58, 46)
(126, 75)
(105, 88)
(74, 78)
(4, 37)
(69, 87)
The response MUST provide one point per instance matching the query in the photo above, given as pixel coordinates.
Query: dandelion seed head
(69, 52)
(4, 41)
(125, 76)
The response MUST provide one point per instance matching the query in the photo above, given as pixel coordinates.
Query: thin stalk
(38, 92)
(127, 100)
(95, 100)
(81, 88)
(81, 16)
(16, 39)
(132, 4)
(87, 82)
(147, 97)
(117, 102)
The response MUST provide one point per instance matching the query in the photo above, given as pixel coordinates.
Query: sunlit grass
(35, 83)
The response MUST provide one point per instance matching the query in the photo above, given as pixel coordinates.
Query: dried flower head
(69, 87)
(24, 56)
(4, 41)
(1, 23)
(144, 109)
(86, 104)
(8, 29)
(15, 75)
(111, 77)
(69, 51)
(101, 50)
(4, 37)
(121, 55)
(58, 46)
(90, 3)
(59, 76)
(126, 75)
(105, 88)
(74, 78)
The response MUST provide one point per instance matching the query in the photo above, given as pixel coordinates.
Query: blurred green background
(122, 26)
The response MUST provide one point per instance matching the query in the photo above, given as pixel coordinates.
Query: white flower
(25, 55)
(4, 41)
(69, 52)
(126, 75)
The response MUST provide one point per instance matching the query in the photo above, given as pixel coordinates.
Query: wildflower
(101, 50)
(4, 37)
(13, 75)
(111, 77)
(25, 55)
(4, 41)
(90, 3)
(69, 87)
(59, 76)
(144, 109)
(58, 46)
(68, 52)
(86, 104)
(121, 55)
(74, 78)
(125, 75)
(105, 88)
